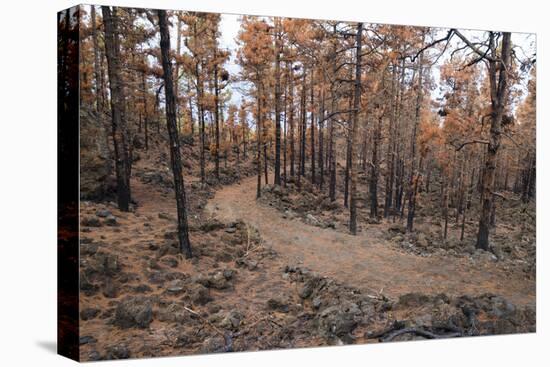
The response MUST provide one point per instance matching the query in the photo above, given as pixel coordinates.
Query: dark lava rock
(87, 339)
(337, 322)
(277, 304)
(87, 286)
(88, 249)
(94, 356)
(117, 352)
(200, 295)
(105, 264)
(247, 263)
(142, 288)
(89, 313)
(217, 280)
(214, 344)
(111, 221)
(90, 222)
(103, 213)
(176, 286)
(211, 225)
(134, 312)
(110, 290)
(307, 290)
(232, 320)
(228, 274)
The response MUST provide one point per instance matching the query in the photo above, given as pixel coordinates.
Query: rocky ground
(513, 241)
(141, 298)
(259, 278)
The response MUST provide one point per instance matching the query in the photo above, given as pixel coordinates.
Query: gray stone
(111, 221)
(103, 213)
(277, 304)
(232, 320)
(176, 286)
(89, 313)
(218, 281)
(118, 352)
(90, 222)
(87, 339)
(134, 312)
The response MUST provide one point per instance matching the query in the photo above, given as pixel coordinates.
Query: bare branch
(475, 141)
(482, 54)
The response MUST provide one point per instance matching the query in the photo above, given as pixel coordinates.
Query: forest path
(366, 261)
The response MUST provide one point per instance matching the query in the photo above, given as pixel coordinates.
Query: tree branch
(475, 141)
(483, 55)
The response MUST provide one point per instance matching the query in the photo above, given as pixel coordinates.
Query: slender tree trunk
(414, 174)
(97, 70)
(285, 132)
(118, 103)
(348, 153)
(291, 119)
(390, 156)
(445, 187)
(321, 137)
(265, 138)
(375, 168)
(355, 131)
(177, 72)
(277, 104)
(217, 121)
(499, 93)
(191, 123)
(312, 130)
(303, 118)
(175, 157)
(259, 142)
(145, 112)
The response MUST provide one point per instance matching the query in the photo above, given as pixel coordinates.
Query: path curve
(364, 261)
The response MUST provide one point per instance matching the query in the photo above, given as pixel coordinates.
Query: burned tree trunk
(118, 106)
(312, 132)
(277, 179)
(499, 93)
(414, 174)
(355, 131)
(321, 138)
(291, 118)
(98, 74)
(259, 142)
(303, 119)
(217, 122)
(390, 156)
(175, 157)
(145, 113)
(375, 168)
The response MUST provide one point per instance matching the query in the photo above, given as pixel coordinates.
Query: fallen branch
(420, 332)
(380, 333)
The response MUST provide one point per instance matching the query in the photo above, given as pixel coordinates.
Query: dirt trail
(366, 261)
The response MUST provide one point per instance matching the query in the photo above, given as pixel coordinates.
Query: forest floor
(261, 280)
(367, 261)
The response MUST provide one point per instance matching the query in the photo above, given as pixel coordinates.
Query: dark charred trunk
(118, 113)
(171, 123)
